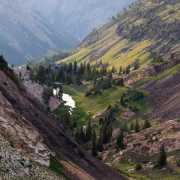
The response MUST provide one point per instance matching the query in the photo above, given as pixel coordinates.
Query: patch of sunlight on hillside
(129, 57)
(82, 54)
(108, 57)
(107, 36)
(132, 55)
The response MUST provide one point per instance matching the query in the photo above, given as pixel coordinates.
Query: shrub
(138, 167)
(87, 93)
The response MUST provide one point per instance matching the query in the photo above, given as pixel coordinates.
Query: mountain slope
(25, 35)
(139, 32)
(77, 17)
(37, 134)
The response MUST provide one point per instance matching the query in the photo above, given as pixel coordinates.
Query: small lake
(68, 100)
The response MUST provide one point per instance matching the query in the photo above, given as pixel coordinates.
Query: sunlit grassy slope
(137, 33)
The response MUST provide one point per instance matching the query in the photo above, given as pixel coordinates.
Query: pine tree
(94, 147)
(136, 126)
(82, 135)
(113, 69)
(75, 67)
(69, 70)
(100, 144)
(27, 67)
(105, 134)
(66, 118)
(89, 131)
(60, 92)
(120, 70)
(162, 157)
(128, 69)
(3, 63)
(101, 121)
(172, 56)
(146, 124)
(119, 142)
(122, 101)
(132, 126)
(136, 65)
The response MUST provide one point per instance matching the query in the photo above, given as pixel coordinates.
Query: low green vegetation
(56, 166)
(88, 106)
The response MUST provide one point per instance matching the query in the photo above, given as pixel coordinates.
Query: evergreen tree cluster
(89, 136)
(65, 117)
(47, 93)
(3, 63)
(130, 96)
(135, 127)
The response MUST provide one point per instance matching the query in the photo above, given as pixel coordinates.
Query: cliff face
(27, 126)
(75, 16)
(25, 35)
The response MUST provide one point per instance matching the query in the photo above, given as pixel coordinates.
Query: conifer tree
(119, 142)
(101, 121)
(94, 146)
(120, 70)
(89, 131)
(132, 126)
(128, 69)
(122, 101)
(100, 144)
(82, 135)
(27, 67)
(146, 124)
(3, 63)
(113, 69)
(162, 157)
(75, 67)
(136, 65)
(136, 126)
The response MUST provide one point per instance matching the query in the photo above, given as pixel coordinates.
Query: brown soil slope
(164, 97)
(52, 130)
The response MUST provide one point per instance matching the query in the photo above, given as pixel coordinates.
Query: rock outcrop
(148, 142)
(148, 70)
(127, 114)
(23, 136)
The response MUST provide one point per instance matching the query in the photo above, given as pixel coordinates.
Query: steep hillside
(75, 16)
(25, 35)
(139, 32)
(41, 138)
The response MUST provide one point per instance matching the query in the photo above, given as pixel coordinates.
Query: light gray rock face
(25, 35)
(76, 16)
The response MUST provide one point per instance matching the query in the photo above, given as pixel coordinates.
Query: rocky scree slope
(75, 16)
(26, 125)
(141, 31)
(25, 35)
(15, 165)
